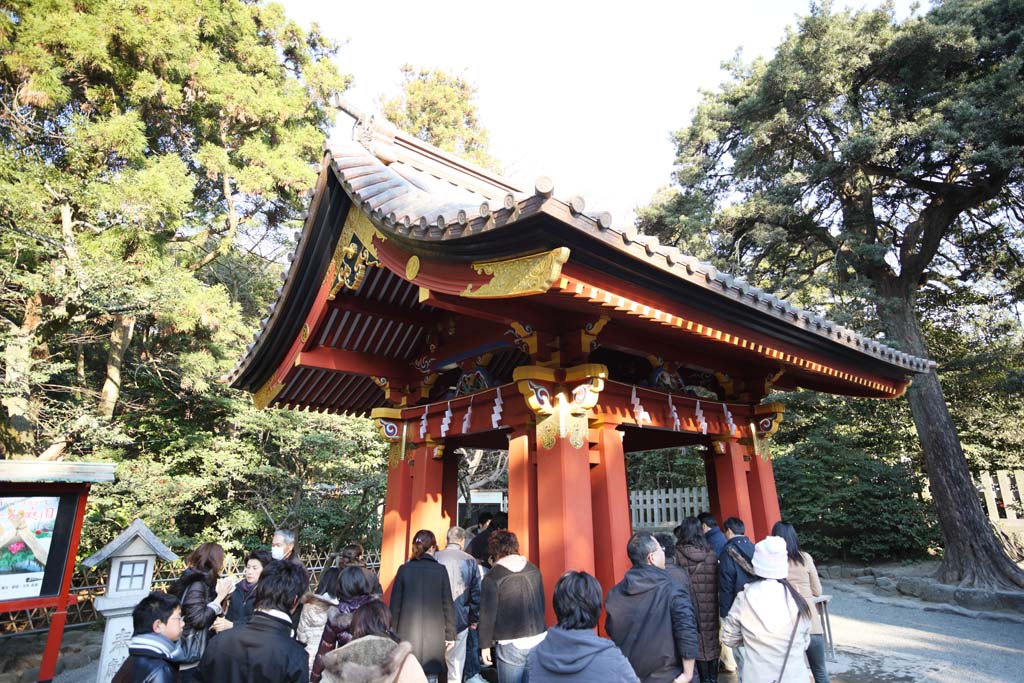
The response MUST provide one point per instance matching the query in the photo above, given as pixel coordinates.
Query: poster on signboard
(26, 529)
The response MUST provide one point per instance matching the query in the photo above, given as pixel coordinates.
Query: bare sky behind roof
(586, 93)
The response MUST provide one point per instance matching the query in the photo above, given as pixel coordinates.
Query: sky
(586, 93)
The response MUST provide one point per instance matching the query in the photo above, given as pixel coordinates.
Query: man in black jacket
(264, 650)
(735, 570)
(153, 649)
(650, 617)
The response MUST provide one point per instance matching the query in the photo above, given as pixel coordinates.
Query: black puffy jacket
(150, 660)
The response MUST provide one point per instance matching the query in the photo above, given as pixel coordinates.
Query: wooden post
(610, 501)
(712, 480)
(397, 505)
(48, 667)
(449, 492)
(522, 492)
(427, 484)
(764, 500)
(731, 482)
(565, 518)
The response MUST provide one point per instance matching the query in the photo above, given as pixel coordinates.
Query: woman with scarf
(355, 589)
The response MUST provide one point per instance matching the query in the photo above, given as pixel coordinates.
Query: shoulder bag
(789, 647)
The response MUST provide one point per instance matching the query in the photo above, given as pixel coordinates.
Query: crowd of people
(692, 604)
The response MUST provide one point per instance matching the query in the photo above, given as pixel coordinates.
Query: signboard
(26, 531)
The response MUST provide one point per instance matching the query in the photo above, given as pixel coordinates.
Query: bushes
(846, 504)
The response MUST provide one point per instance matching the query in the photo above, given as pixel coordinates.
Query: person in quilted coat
(694, 554)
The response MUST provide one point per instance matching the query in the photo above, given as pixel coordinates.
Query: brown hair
(502, 543)
(422, 542)
(209, 559)
(350, 555)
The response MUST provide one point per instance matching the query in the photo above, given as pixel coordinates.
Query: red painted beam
(366, 364)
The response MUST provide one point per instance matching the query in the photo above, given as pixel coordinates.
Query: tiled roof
(412, 189)
(415, 191)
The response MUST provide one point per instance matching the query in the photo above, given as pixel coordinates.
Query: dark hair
(352, 554)
(788, 534)
(209, 559)
(262, 556)
(691, 533)
(502, 543)
(666, 540)
(499, 521)
(280, 585)
(372, 619)
(802, 605)
(153, 607)
(484, 516)
(577, 600)
(708, 519)
(641, 544)
(353, 582)
(423, 541)
(736, 525)
(329, 582)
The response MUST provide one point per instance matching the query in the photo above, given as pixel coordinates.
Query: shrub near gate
(846, 504)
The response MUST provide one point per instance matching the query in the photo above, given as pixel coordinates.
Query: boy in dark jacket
(650, 616)
(712, 533)
(572, 652)
(157, 625)
(735, 568)
(263, 650)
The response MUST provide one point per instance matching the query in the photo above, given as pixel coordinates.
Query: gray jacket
(464, 577)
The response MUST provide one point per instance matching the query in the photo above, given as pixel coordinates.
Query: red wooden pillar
(397, 506)
(565, 519)
(449, 493)
(427, 484)
(712, 483)
(764, 500)
(610, 500)
(48, 667)
(731, 482)
(522, 492)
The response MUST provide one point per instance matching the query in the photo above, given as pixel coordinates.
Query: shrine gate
(461, 310)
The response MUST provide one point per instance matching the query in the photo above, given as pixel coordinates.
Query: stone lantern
(133, 556)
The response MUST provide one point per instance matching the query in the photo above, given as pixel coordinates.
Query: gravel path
(883, 639)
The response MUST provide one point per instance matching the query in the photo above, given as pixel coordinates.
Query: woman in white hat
(771, 620)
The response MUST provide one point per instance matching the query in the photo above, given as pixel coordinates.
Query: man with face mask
(282, 547)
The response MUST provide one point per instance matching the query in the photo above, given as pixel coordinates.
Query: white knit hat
(770, 558)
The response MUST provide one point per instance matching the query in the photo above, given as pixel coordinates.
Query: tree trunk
(120, 339)
(20, 420)
(973, 556)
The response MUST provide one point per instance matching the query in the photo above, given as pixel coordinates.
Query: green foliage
(872, 170)
(666, 468)
(154, 156)
(848, 504)
(438, 108)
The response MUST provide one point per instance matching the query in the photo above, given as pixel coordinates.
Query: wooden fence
(1002, 492)
(89, 584)
(666, 508)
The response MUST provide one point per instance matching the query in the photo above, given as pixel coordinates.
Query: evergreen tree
(438, 108)
(868, 162)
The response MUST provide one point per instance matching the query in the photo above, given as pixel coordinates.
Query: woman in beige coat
(803, 575)
(771, 620)
(375, 655)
